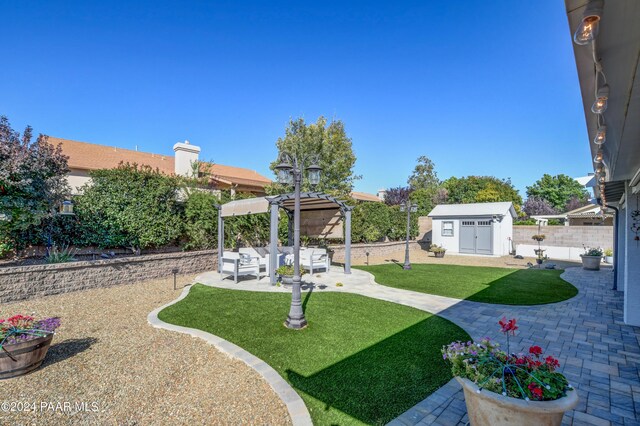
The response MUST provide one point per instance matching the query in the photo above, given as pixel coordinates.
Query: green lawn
(360, 360)
(480, 284)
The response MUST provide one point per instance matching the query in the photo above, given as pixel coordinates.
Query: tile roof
(89, 156)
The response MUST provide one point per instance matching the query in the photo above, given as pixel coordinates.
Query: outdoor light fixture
(408, 207)
(599, 168)
(285, 172)
(314, 173)
(598, 157)
(290, 171)
(66, 208)
(602, 179)
(601, 135)
(600, 104)
(588, 29)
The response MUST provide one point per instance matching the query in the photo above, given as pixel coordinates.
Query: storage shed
(475, 228)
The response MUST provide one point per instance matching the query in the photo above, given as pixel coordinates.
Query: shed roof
(474, 209)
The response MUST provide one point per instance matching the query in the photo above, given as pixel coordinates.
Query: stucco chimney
(381, 193)
(186, 155)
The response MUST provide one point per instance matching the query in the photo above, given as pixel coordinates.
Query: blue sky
(479, 87)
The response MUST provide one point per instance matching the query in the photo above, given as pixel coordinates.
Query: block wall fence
(26, 282)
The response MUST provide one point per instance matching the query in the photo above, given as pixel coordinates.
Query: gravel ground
(106, 353)
(423, 256)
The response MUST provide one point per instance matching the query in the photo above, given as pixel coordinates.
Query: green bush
(373, 222)
(131, 206)
(201, 221)
(525, 222)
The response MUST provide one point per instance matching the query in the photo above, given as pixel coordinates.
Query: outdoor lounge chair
(263, 255)
(314, 259)
(238, 264)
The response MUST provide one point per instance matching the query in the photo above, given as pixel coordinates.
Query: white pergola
(309, 201)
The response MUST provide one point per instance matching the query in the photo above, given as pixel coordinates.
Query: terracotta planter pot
(27, 356)
(439, 254)
(591, 263)
(491, 409)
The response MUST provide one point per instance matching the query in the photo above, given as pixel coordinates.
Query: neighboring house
(363, 196)
(616, 47)
(475, 228)
(84, 157)
(589, 215)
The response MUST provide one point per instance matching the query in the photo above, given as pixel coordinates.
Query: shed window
(447, 229)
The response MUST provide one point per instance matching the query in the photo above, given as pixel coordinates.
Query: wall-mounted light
(601, 135)
(587, 31)
(598, 157)
(600, 104)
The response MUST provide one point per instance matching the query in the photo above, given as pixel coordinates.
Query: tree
(334, 146)
(131, 206)
(481, 189)
(425, 185)
(397, 195)
(538, 206)
(424, 175)
(32, 182)
(557, 190)
(576, 203)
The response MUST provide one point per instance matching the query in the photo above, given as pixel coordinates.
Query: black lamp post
(290, 172)
(409, 208)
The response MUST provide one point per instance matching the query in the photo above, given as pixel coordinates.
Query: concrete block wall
(566, 236)
(375, 250)
(26, 282)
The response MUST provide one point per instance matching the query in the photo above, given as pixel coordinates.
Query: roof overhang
(617, 46)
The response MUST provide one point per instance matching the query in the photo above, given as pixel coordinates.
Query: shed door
(483, 237)
(467, 236)
(476, 236)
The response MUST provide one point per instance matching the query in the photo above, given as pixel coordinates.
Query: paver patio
(598, 353)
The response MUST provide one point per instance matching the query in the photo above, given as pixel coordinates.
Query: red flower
(552, 362)
(536, 391)
(508, 326)
(535, 350)
(522, 361)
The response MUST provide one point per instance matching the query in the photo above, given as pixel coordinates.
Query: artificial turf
(360, 360)
(479, 284)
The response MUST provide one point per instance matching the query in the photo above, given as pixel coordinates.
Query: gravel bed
(107, 356)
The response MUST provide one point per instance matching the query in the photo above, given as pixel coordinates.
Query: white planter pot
(591, 263)
(487, 408)
(608, 259)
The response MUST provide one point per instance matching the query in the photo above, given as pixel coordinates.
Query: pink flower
(508, 326)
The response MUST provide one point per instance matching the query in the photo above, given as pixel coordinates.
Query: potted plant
(504, 388)
(24, 342)
(285, 272)
(539, 237)
(438, 251)
(591, 258)
(608, 256)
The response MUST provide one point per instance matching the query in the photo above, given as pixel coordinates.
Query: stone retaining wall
(375, 250)
(25, 282)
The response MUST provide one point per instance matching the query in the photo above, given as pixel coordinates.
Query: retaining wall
(25, 282)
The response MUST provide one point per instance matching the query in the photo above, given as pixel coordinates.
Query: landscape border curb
(295, 405)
